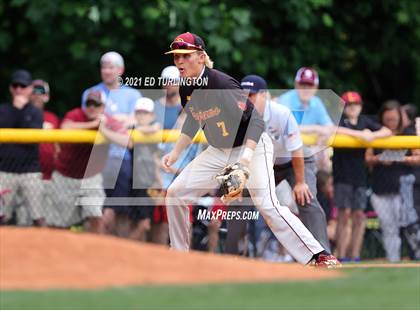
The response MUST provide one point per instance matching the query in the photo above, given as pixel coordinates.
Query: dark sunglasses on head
(16, 85)
(93, 103)
(184, 46)
(39, 90)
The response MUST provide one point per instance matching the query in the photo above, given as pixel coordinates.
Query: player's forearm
(370, 158)
(149, 129)
(182, 143)
(311, 129)
(412, 160)
(349, 132)
(79, 125)
(248, 152)
(382, 133)
(116, 137)
(298, 165)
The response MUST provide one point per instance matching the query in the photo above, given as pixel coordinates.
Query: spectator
(146, 174)
(19, 163)
(77, 181)
(350, 176)
(47, 151)
(168, 107)
(388, 167)
(289, 161)
(309, 110)
(409, 113)
(120, 102)
(410, 185)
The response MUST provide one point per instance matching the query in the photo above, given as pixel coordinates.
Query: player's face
(353, 110)
(391, 119)
(189, 65)
(110, 73)
(305, 91)
(92, 111)
(20, 90)
(144, 117)
(259, 100)
(39, 100)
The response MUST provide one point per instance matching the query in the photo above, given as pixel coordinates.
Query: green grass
(373, 288)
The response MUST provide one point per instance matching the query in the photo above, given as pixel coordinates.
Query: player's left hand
(232, 180)
(302, 194)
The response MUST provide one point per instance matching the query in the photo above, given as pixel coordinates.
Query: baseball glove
(232, 181)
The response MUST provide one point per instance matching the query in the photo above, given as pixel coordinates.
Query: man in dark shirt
(215, 102)
(19, 163)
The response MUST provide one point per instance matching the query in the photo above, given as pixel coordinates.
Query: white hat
(145, 104)
(170, 73)
(113, 58)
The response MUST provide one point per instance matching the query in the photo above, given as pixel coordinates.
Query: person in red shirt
(77, 180)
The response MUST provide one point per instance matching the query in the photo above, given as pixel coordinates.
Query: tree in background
(370, 46)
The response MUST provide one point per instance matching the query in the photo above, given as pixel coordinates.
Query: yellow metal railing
(91, 136)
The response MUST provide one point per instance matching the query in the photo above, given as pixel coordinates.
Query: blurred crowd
(117, 187)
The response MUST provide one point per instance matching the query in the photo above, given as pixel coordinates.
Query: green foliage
(370, 46)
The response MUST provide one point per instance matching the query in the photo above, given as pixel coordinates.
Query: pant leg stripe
(272, 201)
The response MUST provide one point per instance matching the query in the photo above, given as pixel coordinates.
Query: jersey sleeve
(291, 134)
(236, 102)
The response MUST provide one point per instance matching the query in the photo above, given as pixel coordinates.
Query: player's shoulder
(5, 106)
(96, 87)
(130, 90)
(221, 80)
(51, 117)
(75, 114)
(287, 97)
(279, 108)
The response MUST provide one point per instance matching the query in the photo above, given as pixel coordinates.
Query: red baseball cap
(351, 97)
(306, 75)
(186, 43)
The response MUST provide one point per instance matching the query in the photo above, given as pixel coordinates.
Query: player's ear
(201, 58)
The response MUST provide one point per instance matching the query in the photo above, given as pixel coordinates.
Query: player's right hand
(168, 160)
(19, 101)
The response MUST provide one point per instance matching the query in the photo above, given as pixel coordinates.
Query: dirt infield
(43, 259)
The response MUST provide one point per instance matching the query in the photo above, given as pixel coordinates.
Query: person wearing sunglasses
(19, 163)
(235, 134)
(47, 151)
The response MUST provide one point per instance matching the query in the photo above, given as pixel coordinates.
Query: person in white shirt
(289, 161)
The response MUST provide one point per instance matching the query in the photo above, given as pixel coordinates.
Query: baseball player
(289, 163)
(239, 152)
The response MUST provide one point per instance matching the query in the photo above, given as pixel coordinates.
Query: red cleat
(327, 261)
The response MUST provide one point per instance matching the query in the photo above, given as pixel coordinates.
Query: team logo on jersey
(204, 115)
(241, 105)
